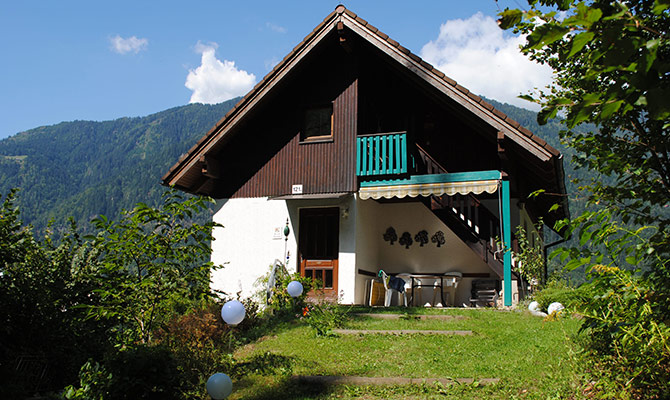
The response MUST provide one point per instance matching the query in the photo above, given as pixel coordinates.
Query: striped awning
(427, 189)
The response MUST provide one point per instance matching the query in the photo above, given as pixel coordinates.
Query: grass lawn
(531, 357)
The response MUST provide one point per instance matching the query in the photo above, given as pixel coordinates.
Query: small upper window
(318, 123)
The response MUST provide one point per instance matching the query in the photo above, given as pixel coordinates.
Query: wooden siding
(320, 167)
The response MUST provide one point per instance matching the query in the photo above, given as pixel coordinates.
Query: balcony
(381, 154)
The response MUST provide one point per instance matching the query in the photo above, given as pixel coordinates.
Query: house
(352, 137)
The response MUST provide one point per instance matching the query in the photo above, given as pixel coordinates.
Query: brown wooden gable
(255, 149)
(267, 154)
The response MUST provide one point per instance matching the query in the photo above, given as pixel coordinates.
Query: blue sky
(89, 60)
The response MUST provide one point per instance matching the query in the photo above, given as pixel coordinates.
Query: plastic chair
(389, 291)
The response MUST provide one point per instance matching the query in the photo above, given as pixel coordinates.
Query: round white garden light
(294, 289)
(555, 307)
(534, 306)
(233, 312)
(219, 386)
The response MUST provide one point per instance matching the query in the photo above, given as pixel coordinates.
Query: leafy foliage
(530, 257)
(41, 286)
(561, 292)
(612, 65)
(627, 337)
(324, 316)
(150, 260)
(280, 304)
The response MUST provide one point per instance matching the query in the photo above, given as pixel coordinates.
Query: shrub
(281, 304)
(324, 316)
(628, 337)
(142, 372)
(559, 291)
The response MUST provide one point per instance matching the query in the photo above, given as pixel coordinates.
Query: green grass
(531, 357)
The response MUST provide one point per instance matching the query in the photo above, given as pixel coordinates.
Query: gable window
(318, 123)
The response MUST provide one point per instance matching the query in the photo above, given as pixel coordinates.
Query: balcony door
(319, 247)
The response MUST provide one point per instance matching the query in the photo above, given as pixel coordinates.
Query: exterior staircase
(475, 225)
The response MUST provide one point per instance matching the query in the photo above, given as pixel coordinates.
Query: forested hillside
(84, 168)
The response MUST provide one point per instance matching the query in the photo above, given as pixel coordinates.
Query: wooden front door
(319, 246)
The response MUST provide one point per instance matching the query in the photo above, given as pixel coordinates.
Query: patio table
(437, 277)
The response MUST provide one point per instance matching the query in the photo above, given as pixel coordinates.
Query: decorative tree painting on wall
(390, 235)
(406, 240)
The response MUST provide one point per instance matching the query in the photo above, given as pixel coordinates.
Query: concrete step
(365, 380)
(400, 332)
(411, 316)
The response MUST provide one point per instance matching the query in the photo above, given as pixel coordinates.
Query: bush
(559, 291)
(281, 304)
(143, 372)
(627, 334)
(324, 316)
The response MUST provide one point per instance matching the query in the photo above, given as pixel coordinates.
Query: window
(318, 123)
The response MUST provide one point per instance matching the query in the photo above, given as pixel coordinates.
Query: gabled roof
(189, 167)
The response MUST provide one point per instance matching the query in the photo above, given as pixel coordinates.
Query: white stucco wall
(454, 255)
(246, 244)
(367, 258)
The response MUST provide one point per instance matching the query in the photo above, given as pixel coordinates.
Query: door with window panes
(318, 247)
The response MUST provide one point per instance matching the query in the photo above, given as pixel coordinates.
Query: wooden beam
(211, 167)
(500, 139)
(344, 42)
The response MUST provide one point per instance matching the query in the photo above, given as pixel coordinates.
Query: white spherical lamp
(294, 289)
(219, 386)
(534, 306)
(233, 312)
(555, 307)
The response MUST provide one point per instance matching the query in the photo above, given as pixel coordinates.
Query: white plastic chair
(389, 291)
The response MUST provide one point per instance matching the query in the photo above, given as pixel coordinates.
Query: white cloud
(131, 44)
(480, 56)
(275, 27)
(215, 81)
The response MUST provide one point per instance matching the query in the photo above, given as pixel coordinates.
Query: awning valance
(427, 189)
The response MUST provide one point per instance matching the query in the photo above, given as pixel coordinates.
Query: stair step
(410, 316)
(401, 332)
(365, 380)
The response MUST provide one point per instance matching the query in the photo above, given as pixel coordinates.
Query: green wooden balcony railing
(381, 154)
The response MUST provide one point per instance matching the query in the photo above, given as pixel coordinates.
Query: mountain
(84, 168)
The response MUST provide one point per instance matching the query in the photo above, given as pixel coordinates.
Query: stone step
(365, 380)
(400, 332)
(411, 316)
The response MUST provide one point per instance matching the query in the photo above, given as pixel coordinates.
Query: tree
(41, 287)
(151, 261)
(612, 68)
